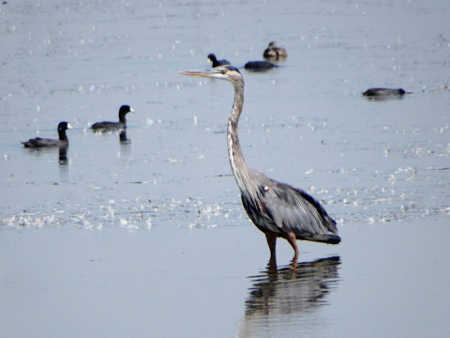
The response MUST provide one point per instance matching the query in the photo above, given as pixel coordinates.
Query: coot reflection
(123, 139)
(62, 155)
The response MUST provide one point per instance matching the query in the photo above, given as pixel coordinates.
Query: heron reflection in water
(277, 209)
(285, 292)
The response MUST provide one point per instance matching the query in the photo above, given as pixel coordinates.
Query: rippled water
(165, 199)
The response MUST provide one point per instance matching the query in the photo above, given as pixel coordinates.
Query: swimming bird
(110, 126)
(39, 142)
(277, 209)
(383, 92)
(213, 59)
(274, 52)
(259, 66)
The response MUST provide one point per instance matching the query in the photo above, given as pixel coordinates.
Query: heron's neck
(237, 162)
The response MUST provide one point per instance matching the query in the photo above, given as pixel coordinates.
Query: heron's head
(225, 72)
(271, 44)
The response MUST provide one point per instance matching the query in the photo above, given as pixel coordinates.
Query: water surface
(148, 237)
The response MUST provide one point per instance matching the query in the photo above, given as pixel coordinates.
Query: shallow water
(128, 238)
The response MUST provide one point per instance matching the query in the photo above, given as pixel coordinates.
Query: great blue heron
(277, 209)
(39, 142)
(110, 126)
(274, 52)
(215, 63)
(383, 92)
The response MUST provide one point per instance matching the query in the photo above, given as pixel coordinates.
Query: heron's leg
(292, 239)
(272, 243)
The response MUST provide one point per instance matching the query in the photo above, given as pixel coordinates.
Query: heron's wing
(259, 215)
(295, 210)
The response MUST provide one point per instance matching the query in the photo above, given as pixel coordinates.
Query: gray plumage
(277, 209)
(280, 208)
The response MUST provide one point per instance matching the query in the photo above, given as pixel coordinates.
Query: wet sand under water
(385, 280)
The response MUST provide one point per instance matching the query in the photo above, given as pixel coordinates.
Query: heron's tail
(322, 238)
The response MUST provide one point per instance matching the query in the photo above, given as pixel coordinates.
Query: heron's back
(280, 208)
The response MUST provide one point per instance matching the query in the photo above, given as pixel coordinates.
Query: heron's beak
(132, 110)
(202, 73)
(69, 126)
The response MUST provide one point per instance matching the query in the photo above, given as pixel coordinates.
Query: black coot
(215, 63)
(259, 66)
(110, 126)
(40, 142)
(382, 92)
